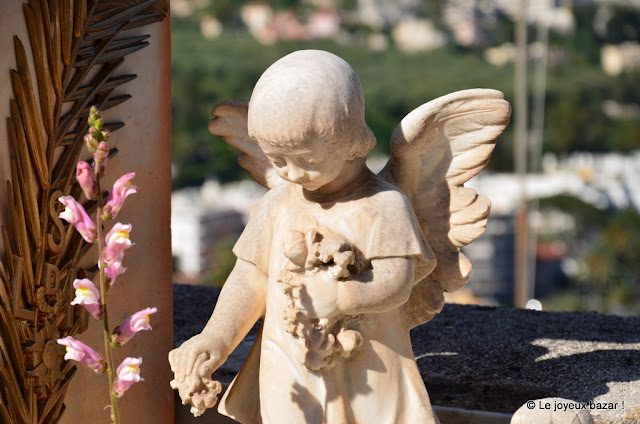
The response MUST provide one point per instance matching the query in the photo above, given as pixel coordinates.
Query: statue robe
(378, 384)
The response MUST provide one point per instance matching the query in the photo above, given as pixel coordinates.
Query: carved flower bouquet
(111, 249)
(320, 250)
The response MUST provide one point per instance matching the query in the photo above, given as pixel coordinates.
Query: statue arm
(240, 304)
(384, 287)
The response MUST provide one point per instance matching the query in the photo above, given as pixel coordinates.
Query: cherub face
(311, 165)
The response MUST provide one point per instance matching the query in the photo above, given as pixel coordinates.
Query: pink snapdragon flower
(75, 215)
(121, 189)
(117, 240)
(128, 373)
(136, 322)
(88, 296)
(115, 269)
(78, 351)
(84, 175)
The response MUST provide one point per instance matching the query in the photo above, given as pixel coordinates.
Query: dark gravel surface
(192, 307)
(491, 358)
(496, 359)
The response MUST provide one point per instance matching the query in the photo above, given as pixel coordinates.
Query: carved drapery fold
(77, 48)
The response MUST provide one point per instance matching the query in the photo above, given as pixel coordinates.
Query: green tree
(607, 249)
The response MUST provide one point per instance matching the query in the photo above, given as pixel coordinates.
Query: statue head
(310, 94)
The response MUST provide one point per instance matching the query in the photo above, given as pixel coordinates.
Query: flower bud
(102, 152)
(91, 143)
(84, 175)
(98, 123)
(101, 156)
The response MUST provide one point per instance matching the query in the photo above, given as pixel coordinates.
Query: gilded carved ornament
(77, 48)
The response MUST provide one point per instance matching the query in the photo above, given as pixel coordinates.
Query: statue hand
(316, 295)
(199, 356)
(200, 393)
(193, 363)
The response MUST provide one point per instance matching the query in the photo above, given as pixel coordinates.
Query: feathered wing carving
(77, 46)
(434, 150)
(230, 122)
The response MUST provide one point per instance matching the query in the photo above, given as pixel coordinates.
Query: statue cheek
(282, 173)
(316, 175)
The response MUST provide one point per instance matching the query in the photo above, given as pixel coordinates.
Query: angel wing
(434, 150)
(230, 122)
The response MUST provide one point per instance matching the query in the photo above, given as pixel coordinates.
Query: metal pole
(521, 284)
(540, 88)
(537, 131)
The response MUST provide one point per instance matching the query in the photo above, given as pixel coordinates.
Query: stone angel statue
(340, 263)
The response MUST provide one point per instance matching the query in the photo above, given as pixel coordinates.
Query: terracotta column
(145, 148)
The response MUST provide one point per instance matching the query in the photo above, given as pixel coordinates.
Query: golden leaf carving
(77, 48)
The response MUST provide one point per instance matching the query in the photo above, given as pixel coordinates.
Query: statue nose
(296, 174)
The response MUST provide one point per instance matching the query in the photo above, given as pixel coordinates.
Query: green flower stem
(103, 294)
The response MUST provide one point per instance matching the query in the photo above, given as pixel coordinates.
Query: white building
(201, 217)
(417, 35)
(621, 58)
(603, 180)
